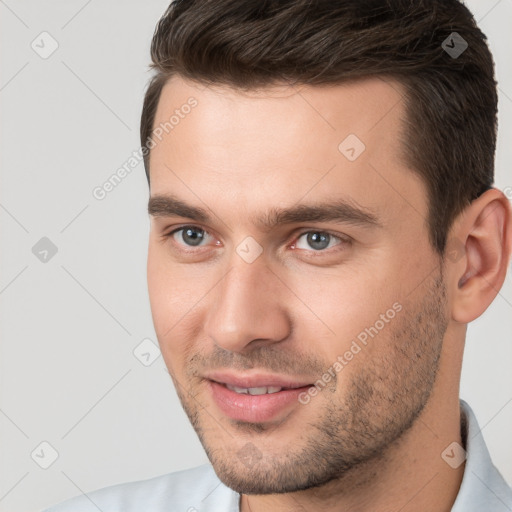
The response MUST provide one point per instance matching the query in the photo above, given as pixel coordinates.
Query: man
(323, 229)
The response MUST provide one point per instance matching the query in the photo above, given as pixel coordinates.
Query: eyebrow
(339, 210)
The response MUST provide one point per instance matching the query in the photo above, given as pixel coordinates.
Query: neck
(410, 476)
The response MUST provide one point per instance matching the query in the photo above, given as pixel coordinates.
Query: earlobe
(485, 231)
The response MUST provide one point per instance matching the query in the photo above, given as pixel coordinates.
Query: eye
(191, 236)
(317, 240)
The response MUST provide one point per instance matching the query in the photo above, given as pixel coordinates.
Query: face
(296, 298)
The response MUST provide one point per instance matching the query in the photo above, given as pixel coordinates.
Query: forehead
(281, 144)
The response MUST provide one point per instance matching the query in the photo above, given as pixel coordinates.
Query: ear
(481, 245)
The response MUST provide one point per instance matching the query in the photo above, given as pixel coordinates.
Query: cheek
(159, 282)
(168, 309)
(345, 302)
(178, 297)
(170, 287)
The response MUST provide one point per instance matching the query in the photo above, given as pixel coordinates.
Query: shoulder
(188, 490)
(482, 487)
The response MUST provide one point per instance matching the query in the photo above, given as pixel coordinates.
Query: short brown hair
(451, 101)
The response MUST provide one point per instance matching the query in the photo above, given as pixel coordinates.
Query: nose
(247, 308)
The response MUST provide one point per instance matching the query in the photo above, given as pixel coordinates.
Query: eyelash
(343, 239)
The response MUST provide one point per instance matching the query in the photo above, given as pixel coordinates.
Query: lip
(256, 380)
(255, 408)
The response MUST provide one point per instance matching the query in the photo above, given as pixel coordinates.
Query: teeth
(254, 391)
(257, 391)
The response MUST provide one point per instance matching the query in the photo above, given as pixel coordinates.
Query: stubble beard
(348, 433)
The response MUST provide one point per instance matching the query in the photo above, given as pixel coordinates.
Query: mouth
(263, 390)
(255, 398)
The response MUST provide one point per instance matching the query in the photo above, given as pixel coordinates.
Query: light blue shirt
(199, 489)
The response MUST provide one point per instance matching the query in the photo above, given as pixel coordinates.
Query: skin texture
(373, 437)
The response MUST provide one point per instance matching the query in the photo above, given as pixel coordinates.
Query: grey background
(70, 325)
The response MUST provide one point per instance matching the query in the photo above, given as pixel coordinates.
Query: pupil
(318, 240)
(192, 236)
